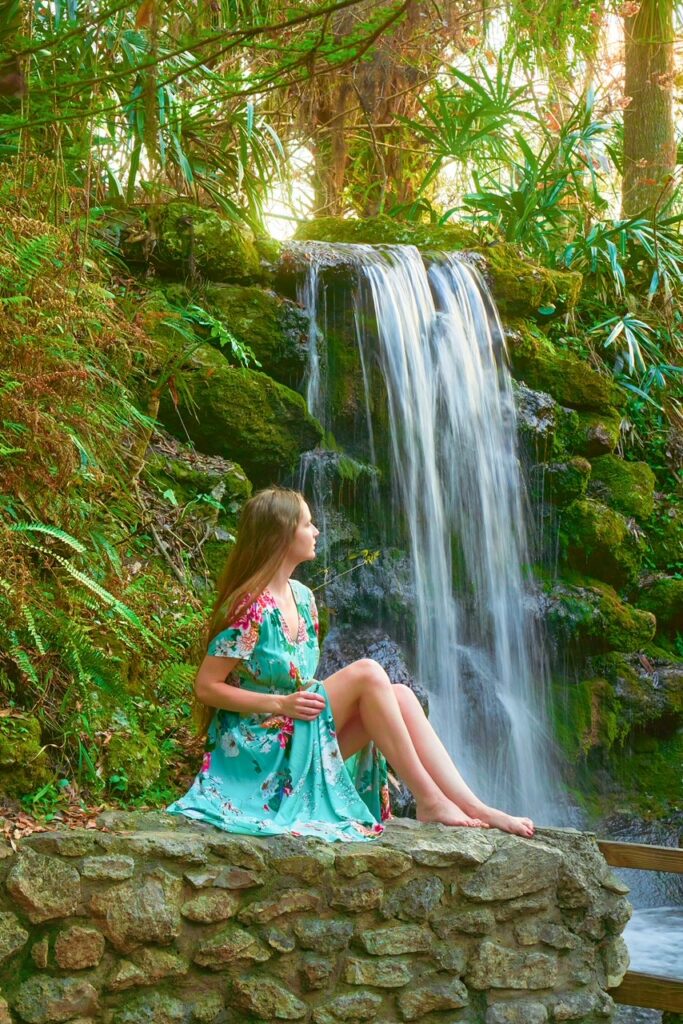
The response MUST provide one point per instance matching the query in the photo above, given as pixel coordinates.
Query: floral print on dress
(266, 774)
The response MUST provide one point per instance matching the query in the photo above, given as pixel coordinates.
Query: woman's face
(302, 548)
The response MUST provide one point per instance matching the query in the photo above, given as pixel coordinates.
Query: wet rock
(439, 994)
(211, 906)
(495, 966)
(406, 938)
(12, 936)
(116, 868)
(267, 999)
(382, 972)
(78, 947)
(323, 936)
(141, 911)
(345, 645)
(228, 944)
(596, 540)
(511, 872)
(41, 1000)
(44, 887)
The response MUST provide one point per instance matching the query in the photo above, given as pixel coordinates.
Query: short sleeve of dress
(239, 639)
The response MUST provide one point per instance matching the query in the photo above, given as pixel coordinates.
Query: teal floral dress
(266, 774)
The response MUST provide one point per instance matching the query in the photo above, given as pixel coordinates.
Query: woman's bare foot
(447, 813)
(508, 822)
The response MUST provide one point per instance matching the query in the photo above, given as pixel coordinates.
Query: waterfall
(457, 503)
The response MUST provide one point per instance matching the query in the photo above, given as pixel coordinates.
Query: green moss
(587, 717)
(664, 598)
(596, 540)
(563, 374)
(519, 286)
(24, 765)
(626, 486)
(664, 530)
(275, 328)
(133, 762)
(648, 770)
(242, 415)
(595, 433)
(193, 239)
(560, 483)
(588, 617)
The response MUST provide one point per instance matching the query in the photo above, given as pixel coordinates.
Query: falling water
(456, 485)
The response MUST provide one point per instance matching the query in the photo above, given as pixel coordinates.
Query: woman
(287, 752)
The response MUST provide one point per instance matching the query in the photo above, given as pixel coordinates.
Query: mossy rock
(519, 286)
(594, 433)
(135, 759)
(24, 765)
(626, 486)
(596, 540)
(664, 531)
(587, 716)
(664, 598)
(275, 328)
(588, 617)
(563, 374)
(193, 240)
(537, 419)
(242, 415)
(560, 483)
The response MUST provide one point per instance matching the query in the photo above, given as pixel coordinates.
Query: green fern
(52, 531)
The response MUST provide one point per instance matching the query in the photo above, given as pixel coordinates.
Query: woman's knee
(406, 698)
(372, 673)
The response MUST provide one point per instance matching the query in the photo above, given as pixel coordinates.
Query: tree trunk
(649, 138)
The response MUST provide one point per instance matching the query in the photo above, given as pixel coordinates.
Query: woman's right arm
(213, 690)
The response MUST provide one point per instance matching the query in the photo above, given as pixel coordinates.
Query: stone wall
(159, 920)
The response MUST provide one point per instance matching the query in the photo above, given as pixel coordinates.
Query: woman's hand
(302, 705)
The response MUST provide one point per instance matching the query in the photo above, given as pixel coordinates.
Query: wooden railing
(637, 989)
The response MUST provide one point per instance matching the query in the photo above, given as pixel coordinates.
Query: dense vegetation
(120, 125)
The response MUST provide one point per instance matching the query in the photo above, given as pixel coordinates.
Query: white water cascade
(457, 497)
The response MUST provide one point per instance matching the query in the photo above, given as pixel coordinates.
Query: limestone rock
(356, 1007)
(238, 851)
(288, 902)
(147, 968)
(323, 936)
(176, 845)
(514, 870)
(45, 887)
(116, 868)
(78, 947)
(230, 943)
(282, 941)
(42, 1000)
(316, 971)
(267, 999)
(521, 1012)
(365, 893)
(579, 1005)
(382, 972)
(530, 932)
(406, 938)
(496, 966)
(211, 906)
(437, 994)
(286, 857)
(447, 923)
(151, 1008)
(379, 860)
(450, 847)
(76, 842)
(415, 900)
(223, 878)
(12, 936)
(140, 911)
(615, 957)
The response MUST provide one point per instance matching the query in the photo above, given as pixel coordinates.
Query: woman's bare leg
(437, 761)
(364, 689)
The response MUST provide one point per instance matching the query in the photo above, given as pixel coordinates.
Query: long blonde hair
(265, 531)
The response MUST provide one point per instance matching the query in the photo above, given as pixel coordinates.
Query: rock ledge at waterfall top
(162, 920)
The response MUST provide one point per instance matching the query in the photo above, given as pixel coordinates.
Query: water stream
(456, 503)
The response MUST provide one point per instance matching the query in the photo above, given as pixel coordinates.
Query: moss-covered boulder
(563, 374)
(664, 598)
(626, 486)
(598, 541)
(519, 286)
(560, 483)
(24, 764)
(588, 617)
(275, 328)
(133, 762)
(587, 716)
(192, 239)
(242, 415)
(664, 530)
(594, 433)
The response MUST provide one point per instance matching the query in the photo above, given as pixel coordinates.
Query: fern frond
(52, 531)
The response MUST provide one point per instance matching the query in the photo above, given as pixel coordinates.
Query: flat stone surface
(521, 1012)
(439, 994)
(267, 999)
(514, 871)
(78, 947)
(381, 972)
(363, 893)
(228, 944)
(111, 866)
(289, 901)
(140, 911)
(496, 966)
(323, 936)
(376, 860)
(211, 906)
(42, 1000)
(406, 938)
(44, 887)
(415, 900)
